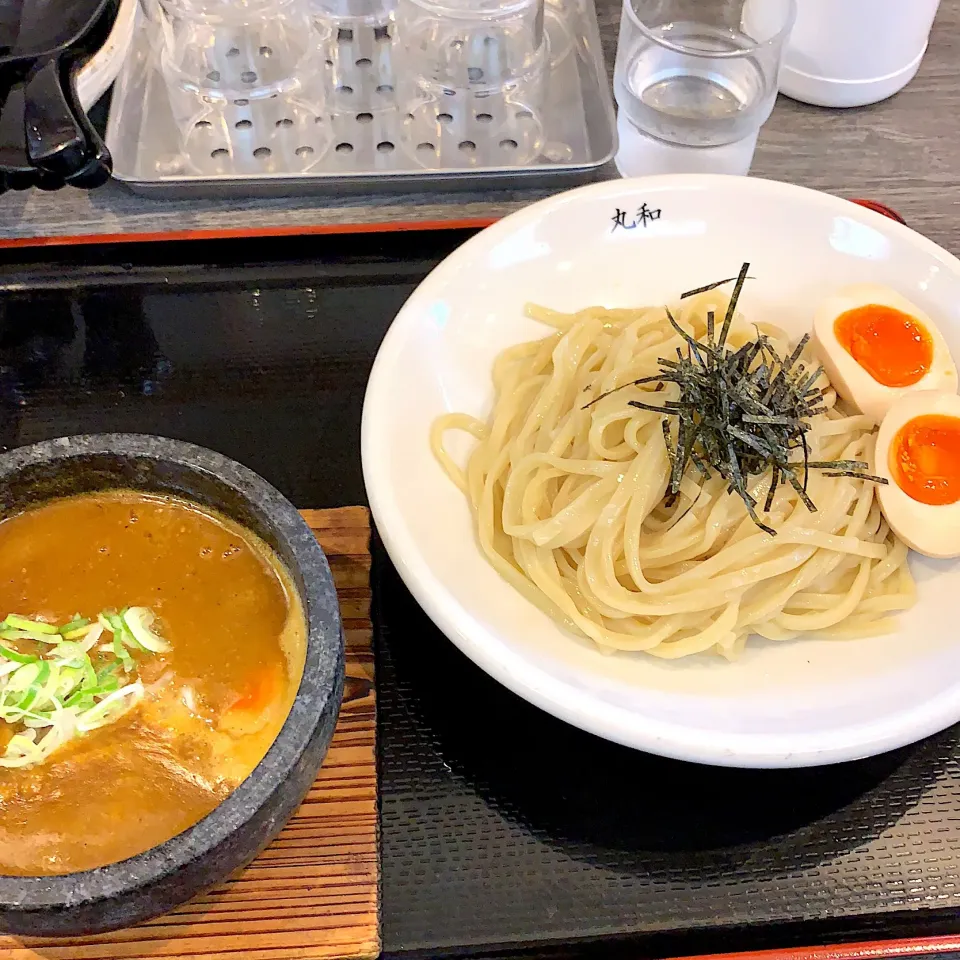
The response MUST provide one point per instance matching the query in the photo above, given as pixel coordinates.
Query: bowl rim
(323, 667)
(536, 684)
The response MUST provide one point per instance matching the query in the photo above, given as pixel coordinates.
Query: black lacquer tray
(503, 830)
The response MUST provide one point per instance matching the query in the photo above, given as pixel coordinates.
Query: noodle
(569, 506)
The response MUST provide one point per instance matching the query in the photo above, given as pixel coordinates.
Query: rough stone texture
(153, 882)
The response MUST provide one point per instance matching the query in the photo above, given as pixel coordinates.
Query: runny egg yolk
(925, 459)
(888, 343)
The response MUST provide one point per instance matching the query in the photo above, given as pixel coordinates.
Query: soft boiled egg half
(918, 453)
(876, 346)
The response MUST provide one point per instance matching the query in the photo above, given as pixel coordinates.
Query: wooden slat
(313, 893)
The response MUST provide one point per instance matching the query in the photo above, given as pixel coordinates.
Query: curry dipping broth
(211, 706)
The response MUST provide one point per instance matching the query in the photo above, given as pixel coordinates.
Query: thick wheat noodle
(568, 502)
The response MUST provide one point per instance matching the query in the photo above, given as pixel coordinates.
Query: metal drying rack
(363, 137)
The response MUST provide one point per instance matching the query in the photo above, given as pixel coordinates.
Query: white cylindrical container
(847, 53)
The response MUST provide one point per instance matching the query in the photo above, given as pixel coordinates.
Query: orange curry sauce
(214, 703)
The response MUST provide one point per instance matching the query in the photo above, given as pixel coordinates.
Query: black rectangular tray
(504, 831)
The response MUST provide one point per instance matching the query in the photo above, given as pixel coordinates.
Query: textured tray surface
(313, 893)
(353, 122)
(503, 825)
(500, 825)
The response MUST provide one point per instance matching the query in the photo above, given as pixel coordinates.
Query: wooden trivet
(313, 893)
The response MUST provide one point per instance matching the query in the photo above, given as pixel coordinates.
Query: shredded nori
(708, 287)
(741, 412)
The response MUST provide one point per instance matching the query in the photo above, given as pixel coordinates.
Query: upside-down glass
(245, 84)
(472, 75)
(700, 73)
(227, 50)
(346, 12)
(481, 46)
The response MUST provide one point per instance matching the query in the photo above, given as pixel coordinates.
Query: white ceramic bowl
(796, 703)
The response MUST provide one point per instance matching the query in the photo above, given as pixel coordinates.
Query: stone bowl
(151, 883)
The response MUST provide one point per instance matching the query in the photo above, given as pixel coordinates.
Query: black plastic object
(503, 831)
(16, 171)
(46, 139)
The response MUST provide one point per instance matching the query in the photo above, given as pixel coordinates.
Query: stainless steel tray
(362, 139)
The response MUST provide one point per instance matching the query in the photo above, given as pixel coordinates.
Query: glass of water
(700, 73)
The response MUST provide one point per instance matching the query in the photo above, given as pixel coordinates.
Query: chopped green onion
(89, 680)
(22, 679)
(138, 621)
(35, 719)
(92, 634)
(21, 752)
(30, 626)
(8, 633)
(81, 698)
(35, 687)
(68, 680)
(68, 650)
(44, 673)
(112, 707)
(121, 630)
(9, 654)
(62, 692)
(107, 671)
(78, 623)
(120, 651)
(78, 697)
